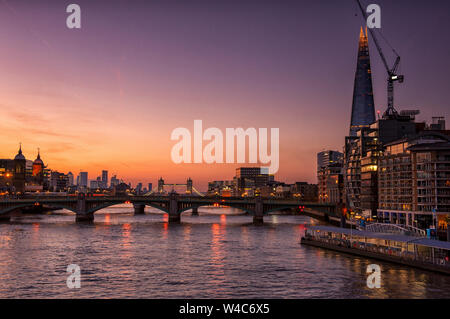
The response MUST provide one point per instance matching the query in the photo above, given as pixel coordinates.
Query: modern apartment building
(330, 184)
(360, 171)
(414, 181)
(250, 179)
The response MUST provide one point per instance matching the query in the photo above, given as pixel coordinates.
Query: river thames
(218, 254)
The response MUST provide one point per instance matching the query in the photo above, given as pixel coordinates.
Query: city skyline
(84, 178)
(227, 155)
(64, 98)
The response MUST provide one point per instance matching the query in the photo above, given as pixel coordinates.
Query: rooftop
(430, 146)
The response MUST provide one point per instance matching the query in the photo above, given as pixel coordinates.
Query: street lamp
(352, 214)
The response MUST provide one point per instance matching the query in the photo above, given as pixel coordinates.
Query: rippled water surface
(218, 254)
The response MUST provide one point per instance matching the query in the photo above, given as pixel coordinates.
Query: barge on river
(419, 252)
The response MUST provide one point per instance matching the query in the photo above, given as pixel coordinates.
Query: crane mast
(392, 72)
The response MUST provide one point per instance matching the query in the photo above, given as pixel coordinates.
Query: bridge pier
(174, 215)
(174, 219)
(6, 218)
(448, 232)
(195, 211)
(83, 218)
(139, 209)
(258, 220)
(258, 217)
(82, 214)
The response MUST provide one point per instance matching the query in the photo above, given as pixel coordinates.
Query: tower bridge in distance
(189, 188)
(84, 206)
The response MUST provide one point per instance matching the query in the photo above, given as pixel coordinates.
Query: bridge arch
(276, 209)
(243, 209)
(96, 208)
(11, 209)
(158, 207)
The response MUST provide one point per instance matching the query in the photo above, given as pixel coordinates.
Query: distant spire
(19, 155)
(39, 153)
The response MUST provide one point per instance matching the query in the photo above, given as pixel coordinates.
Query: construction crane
(392, 72)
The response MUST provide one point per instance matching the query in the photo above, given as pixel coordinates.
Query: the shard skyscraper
(361, 146)
(363, 109)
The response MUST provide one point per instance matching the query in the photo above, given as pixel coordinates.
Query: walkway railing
(384, 250)
(395, 229)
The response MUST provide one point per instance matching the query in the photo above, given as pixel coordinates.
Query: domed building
(38, 170)
(19, 171)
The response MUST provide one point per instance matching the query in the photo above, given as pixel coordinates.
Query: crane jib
(392, 72)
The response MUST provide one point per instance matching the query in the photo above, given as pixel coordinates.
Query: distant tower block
(189, 186)
(160, 185)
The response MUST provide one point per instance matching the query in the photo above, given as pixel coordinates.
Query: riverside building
(330, 177)
(250, 179)
(362, 141)
(20, 175)
(414, 181)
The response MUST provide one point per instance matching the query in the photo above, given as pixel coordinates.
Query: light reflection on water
(214, 255)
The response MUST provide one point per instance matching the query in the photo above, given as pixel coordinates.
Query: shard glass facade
(361, 146)
(363, 109)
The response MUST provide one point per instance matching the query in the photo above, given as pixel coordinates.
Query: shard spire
(363, 109)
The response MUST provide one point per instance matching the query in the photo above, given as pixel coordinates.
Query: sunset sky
(109, 95)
